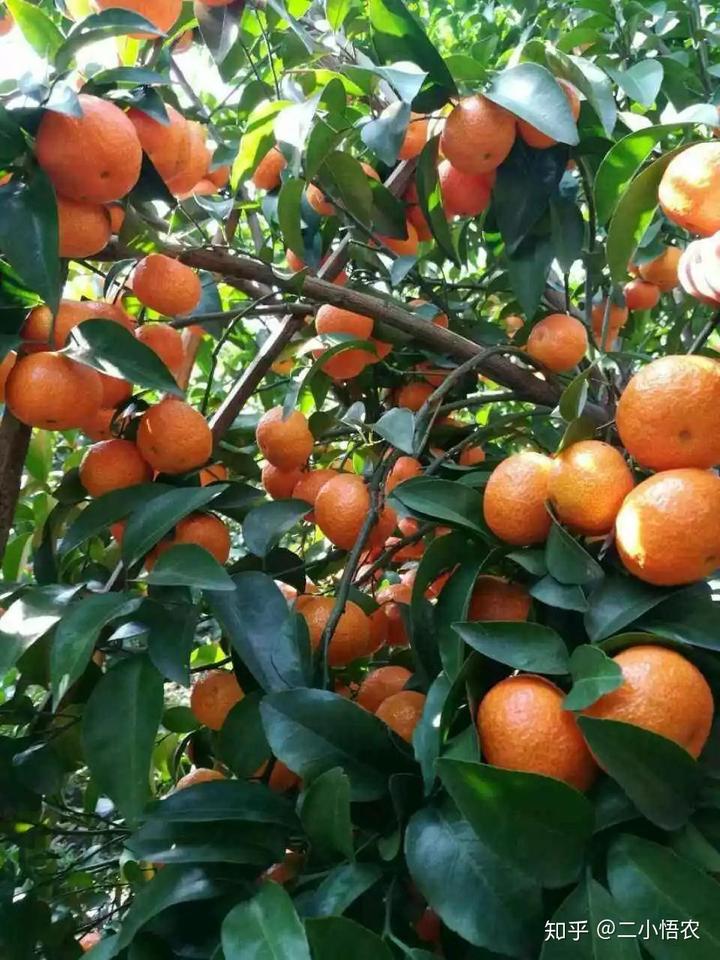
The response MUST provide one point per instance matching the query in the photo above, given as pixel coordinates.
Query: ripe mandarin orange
(267, 173)
(285, 443)
(219, 176)
(415, 137)
(663, 270)
(523, 726)
(464, 194)
(6, 24)
(351, 639)
(166, 285)
(513, 323)
(392, 599)
(281, 778)
(403, 246)
(214, 473)
(403, 469)
(413, 395)
(414, 213)
(52, 391)
(477, 135)
(166, 342)
(661, 692)
(98, 426)
(667, 531)
(559, 341)
(279, 484)
(641, 295)
(112, 465)
(173, 437)
(515, 495)
(162, 14)
(207, 531)
(588, 482)
(689, 191)
(496, 599)
(669, 413)
(471, 456)
(380, 684)
(617, 317)
(117, 217)
(541, 141)
(41, 332)
(115, 391)
(194, 160)
(6, 365)
(83, 228)
(309, 485)
(213, 696)
(334, 320)
(402, 712)
(166, 144)
(199, 775)
(94, 158)
(318, 201)
(341, 507)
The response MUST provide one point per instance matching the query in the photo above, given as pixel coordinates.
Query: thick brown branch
(14, 440)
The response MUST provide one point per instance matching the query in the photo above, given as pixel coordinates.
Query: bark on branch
(14, 440)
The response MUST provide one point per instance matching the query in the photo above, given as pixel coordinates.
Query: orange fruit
(98, 426)
(415, 215)
(166, 285)
(162, 14)
(219, 176)
(281, 778)
(6, 365)
(112, 465)
(6, 25)
(173, 437)
(432, 374)
(471, 456)
(207, 531)
(94, 158)
(478, 135)
(310, 483)
(667, 531)
(380, 684)
(588, 483)
(341, 507)
(286, 444)
(689, 191)
(52, 391)
(617, 319)
(318, 201)
(440, 319)
(117, 217)
(403, 469)
(669, 413)
(514, 501)
(402, 712)
(513, 323)
(199, 775)
(523, 726)
(661, 692)
(194, 160)
(283, 366)
(663, 270)
(267, 173)
(413, 395)
(641, 295)
(166, 144)
(213, 696)
(351, 639)
(42, 333)
(378, 630)
(183, 42)
(464, 194)
(296, 264)
(392, 599)
(415, 137)
(541, 141)
(496, 599)
(215, 473)
(166, 342)
(412, 551)
(83, 228)
(559, 341)
(348, 363)
(115, 391)
(279, 484)
(403, 247)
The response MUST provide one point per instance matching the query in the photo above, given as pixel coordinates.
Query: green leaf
(430, 198)
(266, 927)
(29, 618)
(219, 27)
(567, 560)
(290, 216)
(522, 646)
(590, 81)
(12, 141)
(257, 138)
(120, 764)
(189, 565)
(399, 37)
(336, 11)
(660, 777)
(264, 525)
(29, 230)
(170, 619)
(385, 135)
(346, 183)
(568, 231)
(561, 595)
(36, 26)
(452, 607)
(217, 842)
(633, 215)
(518, 209)
(445, 500)
(77, 632)
(312, 731)
(447, 861)
(99, 26)
(538, 824)
(324, 809)
(589, 905)
(340, 888)
(227, 800)
(397, 426)
(427, 734)
(594, 674)
(242, 743)
(100, 513)
(687, 616)
(389, 213)
(641, 82)
(150, 521)
(109, 347)
(331, 937)
(528, 267)
(653, 883)
(574, 396)
(617, 601)
(532, 93)
(271, 641)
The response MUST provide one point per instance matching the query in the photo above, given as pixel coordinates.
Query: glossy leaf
(29, 229)
(242, 743)
(568, 561)
(340, 888)
(265, 524)
(590, 81)
(561, 595)
(522, 646)
(324, 808)
(289, 215)
(331, 937)
(266, 927)
(189, 565)
(151, 520)
(29, 618)
(36, 26)
(531, 92)
(99, 26)
(617, 601)
(443, 500)
(397, 426)
(347, 184)
(430, 198)
(641, 82)
(214, 800)
(594, 674)
(451, 608)
(592, 911)
(385, 135)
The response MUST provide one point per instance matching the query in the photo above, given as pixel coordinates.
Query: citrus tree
(357, 502)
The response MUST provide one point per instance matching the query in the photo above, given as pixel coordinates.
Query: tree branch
(14, 440)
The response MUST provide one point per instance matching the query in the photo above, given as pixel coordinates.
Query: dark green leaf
(214, 800)
(528, 268)
(324, 809)
(397, 426)
(99, 514)
(617, 601)
(132, 691)
(347, 183)
(568, 231)
(427, 734)
(340, 888)
(189, 565)
(29, 618)
(590, 81)
(242, 743)
(567, 561)
(12, 142)
(572, 401)
(518, 209)
(560, 595)
(29, 229)
(641, 82)
(532, 93)
(430, 198)
(289, 215)
(538, 824)
(522, 646)
(452, 607)
(594, 674)
(264, 525)
(151, 520)
(257, 138)
(217, 842)
(266, 927)
(688, 616)
(589, 904)
(660, 777)
(333, 937)
(218, 27)
(99, 26)
(434, 499)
